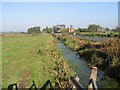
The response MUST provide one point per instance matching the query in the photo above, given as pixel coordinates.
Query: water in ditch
(82, 70)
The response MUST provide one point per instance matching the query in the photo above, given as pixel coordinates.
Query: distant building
(58, 28)
(71, 29)
(101, 29)
(61, 26)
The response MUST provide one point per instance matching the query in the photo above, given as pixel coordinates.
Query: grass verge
(26, 58)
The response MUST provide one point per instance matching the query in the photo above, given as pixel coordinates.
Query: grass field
(27, 58)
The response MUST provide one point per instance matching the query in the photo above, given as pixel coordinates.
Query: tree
(55, 29)
(64, 30)
(34, 30)
(93, 27)
(79, 29)
(47, 30)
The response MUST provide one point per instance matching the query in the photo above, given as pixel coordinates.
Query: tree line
(63, 29)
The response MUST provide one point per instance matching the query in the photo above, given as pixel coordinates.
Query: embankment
(103, 54)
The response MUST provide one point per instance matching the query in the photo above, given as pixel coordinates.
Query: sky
(19, 16)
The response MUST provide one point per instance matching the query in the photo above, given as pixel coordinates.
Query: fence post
(76, 84)
(77, 79)
(92, 82)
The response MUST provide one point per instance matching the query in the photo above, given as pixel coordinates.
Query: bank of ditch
(27, 58)
(62, 71)
(103, 54)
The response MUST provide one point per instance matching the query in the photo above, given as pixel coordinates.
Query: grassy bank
(104, 55)
(27, 58)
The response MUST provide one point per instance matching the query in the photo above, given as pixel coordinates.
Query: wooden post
(77, 79)
(92, 82)
(76, 84)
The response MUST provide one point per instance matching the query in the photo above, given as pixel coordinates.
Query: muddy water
(81, 68)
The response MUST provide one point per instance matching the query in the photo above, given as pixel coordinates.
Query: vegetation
(47, 30)
(56, 29)
(27, 58)
(93, 27)
(102, 34)
(34, 30)
(104, 55)
(91, 30)
(97, 30)
(64, 30)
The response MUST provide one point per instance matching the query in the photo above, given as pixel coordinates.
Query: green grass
(102, 34)
(30, 58)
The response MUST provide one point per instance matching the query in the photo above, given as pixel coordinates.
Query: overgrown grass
(104, 55)
(27, 58)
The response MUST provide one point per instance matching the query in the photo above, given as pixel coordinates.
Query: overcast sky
(19, 16)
